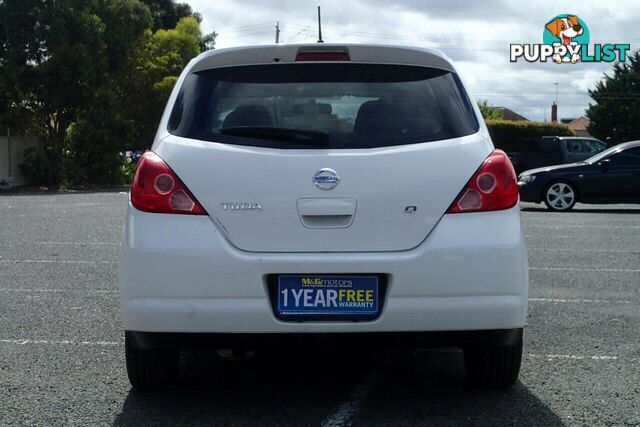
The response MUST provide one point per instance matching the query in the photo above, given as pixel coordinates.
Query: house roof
(581, 123)
(508, 114)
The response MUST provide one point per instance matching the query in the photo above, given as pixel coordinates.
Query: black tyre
(493, 367)
(151, 369)
(560, 196)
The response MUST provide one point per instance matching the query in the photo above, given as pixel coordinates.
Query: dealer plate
(331, 295)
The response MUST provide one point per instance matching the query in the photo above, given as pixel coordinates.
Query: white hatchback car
(305, 194)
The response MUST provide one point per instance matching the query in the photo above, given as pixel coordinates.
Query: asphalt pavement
(62, 353)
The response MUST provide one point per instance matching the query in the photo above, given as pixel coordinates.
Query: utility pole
(319, 27)
(277, 32)
(10, 151)
(554, 106)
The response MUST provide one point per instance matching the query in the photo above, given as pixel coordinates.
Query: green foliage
(35, 166)
(90, 78)
(172, 49)
(505, 132)
(58, 55)
(126, 170)
(616, 113)
(167, 13)
(154, 72)
(488, 112)
(92, 144)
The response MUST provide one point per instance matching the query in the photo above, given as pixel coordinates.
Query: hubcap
(560, 196)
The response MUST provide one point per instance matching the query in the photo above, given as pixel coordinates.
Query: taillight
(156, 188)
(493, 187)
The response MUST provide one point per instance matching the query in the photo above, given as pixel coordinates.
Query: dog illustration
(565, 29)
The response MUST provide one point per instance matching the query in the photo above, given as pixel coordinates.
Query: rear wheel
(560, 196)
(493, 367)
(150, 369)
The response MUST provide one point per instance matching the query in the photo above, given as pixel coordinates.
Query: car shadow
(431, 387)
(306, 388)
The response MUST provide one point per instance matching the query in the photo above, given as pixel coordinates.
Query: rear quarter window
(576, 146)
(355, 105)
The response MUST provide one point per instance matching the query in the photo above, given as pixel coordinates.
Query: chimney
(554, 112)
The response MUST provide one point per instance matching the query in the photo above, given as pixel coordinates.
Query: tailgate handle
(326, 212)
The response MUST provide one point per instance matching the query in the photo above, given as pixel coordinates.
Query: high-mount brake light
(323, 55)
(493, 187)
(156, 188)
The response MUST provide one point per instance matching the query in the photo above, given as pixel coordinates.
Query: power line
(245, 26)
(456, 40)
(244, 35)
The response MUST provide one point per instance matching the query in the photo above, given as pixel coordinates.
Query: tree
(90, 77)
(166, 14)
(615, 116)
(126, 114)
(488, 112)
(56, 54)
(154, 72)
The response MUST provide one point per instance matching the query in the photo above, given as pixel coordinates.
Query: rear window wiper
(301, 136)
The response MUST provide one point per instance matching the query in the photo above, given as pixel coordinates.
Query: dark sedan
(612, 176)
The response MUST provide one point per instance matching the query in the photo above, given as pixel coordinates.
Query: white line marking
(93, 291)
(555, 236)
(349, 409)
(75, 243)
(61, 261)
(61, 342)
(115, 292)
(54, 261)
(570, 357)
(609, 270)
(558, 227)
(587, 301)
(621, 251)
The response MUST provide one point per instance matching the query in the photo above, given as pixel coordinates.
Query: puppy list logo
(565, 40)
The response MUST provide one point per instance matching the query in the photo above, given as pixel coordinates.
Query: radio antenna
(319, 27)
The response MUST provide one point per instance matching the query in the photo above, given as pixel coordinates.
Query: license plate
(319, 295)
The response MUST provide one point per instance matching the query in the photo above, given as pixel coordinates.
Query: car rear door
(618, 177)
(624, 172)
(390, 167)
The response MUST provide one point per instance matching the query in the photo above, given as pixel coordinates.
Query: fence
(11, 157)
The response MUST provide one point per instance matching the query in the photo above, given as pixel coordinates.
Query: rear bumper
(244, 315)
(177, 273)
(151, 340)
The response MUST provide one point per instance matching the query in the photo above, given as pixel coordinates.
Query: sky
(475, 35)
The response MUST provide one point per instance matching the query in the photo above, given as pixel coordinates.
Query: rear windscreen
(350, 105)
